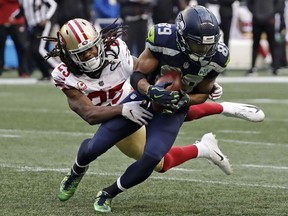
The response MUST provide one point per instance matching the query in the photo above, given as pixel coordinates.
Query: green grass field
(39, 138)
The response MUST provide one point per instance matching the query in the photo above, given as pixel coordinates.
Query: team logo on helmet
(84, 43)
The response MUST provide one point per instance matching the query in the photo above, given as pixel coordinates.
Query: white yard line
(11, 81)
(21, 132)
(264, 166)
(18, 133)
(247, 79)
(43, 169)
(6, 109)
(242, 142)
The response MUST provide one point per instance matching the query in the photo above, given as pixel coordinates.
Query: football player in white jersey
(94, 75)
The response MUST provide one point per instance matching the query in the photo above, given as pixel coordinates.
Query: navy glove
(183, 101)
(159, 94)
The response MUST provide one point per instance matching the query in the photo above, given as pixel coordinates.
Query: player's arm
(82, 105)
(147, 64)
(201, 91)
(144, 65)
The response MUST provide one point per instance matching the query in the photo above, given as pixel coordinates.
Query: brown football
(176, 85)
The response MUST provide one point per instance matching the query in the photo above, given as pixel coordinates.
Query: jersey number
(222, 49)
(164, 29)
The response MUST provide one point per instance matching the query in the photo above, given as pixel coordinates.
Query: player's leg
(161, 134)
(236, 110)
(202, 110)
(133, 147)
(70, 182)
(107, 135)
(206, 148)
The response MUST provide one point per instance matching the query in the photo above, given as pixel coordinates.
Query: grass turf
(39, 138)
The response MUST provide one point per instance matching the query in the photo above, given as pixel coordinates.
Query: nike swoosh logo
(221, 157)
(157, 96)
(131, 113)
(253, 107)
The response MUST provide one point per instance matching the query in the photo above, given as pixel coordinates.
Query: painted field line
(254, 143)
(247, 79)
(17, 133)
(265, 166)
(9, 136)
(15, 81)
(36, 110)
(42, 169)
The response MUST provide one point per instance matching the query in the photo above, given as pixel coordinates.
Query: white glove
(216, 92)
(133, 111)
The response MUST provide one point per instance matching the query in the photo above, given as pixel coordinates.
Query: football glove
(184, 101)
(135, 112)
(159, 94)
(216, 92)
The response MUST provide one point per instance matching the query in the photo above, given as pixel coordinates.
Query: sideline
(220, 79)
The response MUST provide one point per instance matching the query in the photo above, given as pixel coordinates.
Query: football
(176, 85)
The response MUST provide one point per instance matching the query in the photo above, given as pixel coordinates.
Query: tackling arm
(82, 105)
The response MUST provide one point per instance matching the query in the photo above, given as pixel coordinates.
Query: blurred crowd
(26, 20)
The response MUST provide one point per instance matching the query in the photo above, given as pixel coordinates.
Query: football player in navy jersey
(192, 48)
(86, 77)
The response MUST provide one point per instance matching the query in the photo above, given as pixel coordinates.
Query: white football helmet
(79, 35)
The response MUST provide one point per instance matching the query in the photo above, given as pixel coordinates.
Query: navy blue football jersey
(162, 42)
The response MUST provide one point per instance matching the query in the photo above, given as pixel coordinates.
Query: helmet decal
(77, 30)
(208, 39)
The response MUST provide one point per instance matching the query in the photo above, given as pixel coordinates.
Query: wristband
(135, 77)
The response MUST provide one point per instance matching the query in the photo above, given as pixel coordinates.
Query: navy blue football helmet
(198, 32)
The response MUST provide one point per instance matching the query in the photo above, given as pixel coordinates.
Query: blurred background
(236, 19)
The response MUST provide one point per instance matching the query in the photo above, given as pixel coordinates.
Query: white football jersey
(110, 88)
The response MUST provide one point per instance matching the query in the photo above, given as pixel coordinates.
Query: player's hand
(135, 112)
(184, 101)
(159, 94)
(216, 92)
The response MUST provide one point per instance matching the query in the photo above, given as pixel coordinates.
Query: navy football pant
(161, 133)
(160, 136)
(107, 135)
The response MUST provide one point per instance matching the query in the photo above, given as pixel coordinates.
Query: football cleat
(69, 185)
(214, 153)
(243, 111)
(103, 202)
